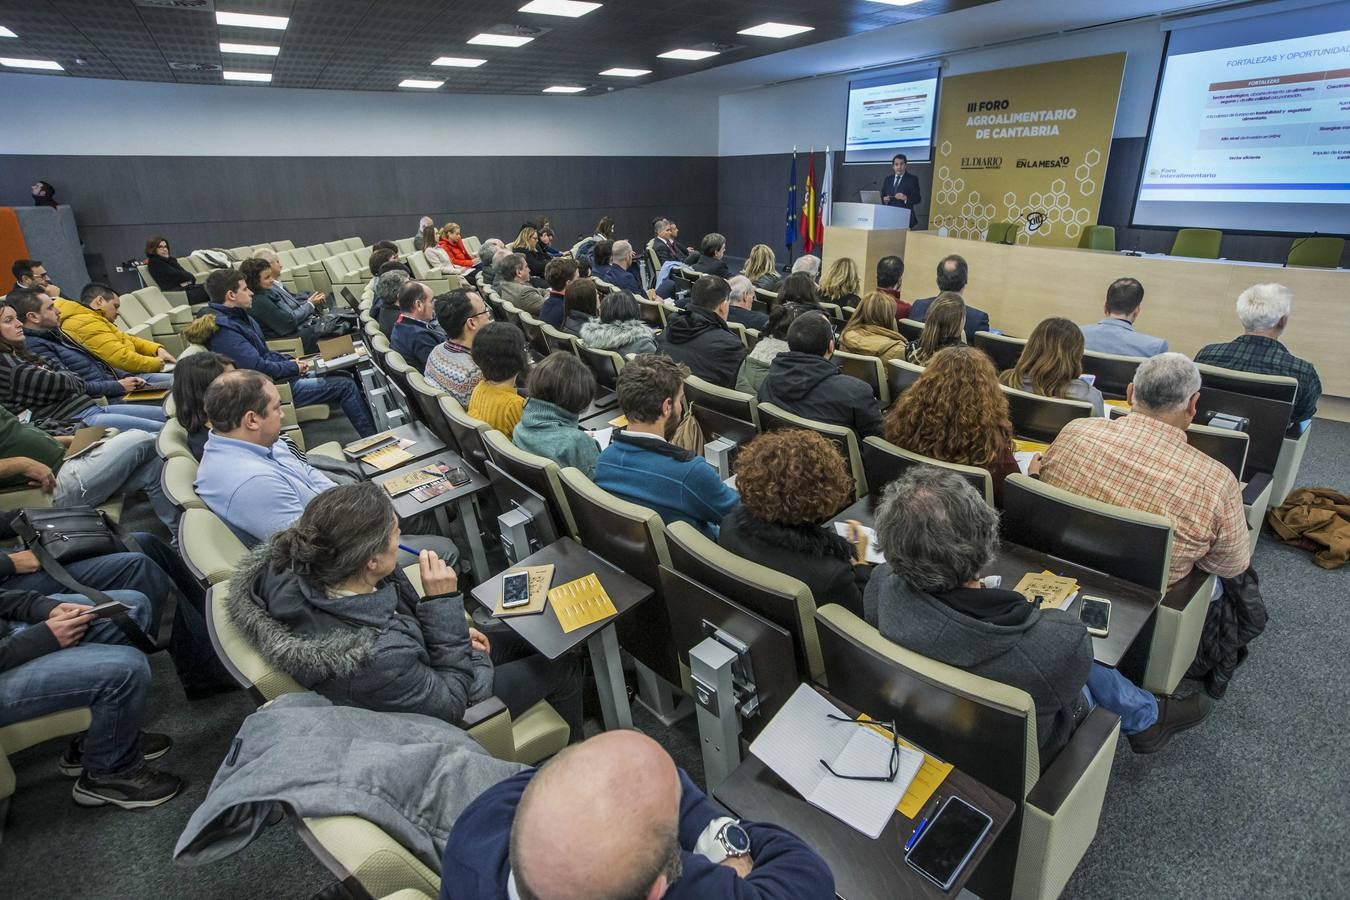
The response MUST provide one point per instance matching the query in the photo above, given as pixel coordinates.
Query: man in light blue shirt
(251, 479)
(1116, 334)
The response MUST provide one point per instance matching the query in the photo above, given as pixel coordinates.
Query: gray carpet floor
(1255, 802)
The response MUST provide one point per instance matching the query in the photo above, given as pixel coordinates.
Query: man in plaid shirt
(1143, 462)
(1264, 311)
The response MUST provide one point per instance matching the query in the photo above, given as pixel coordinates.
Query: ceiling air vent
(191, 5)
(182, 66)
(530, 31)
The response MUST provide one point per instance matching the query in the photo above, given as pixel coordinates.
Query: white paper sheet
(873, 552)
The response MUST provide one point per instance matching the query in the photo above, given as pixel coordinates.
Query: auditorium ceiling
(376, 44)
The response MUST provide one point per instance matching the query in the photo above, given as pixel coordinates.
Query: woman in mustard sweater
(500, 354)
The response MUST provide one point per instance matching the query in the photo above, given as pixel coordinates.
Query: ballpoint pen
(928, 813)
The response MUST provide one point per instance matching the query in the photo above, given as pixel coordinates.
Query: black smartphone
(457, 476)
(515, 589)
(948, 842)
(111, 608)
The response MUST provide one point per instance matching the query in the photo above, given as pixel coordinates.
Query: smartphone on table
(1095, 613)
(515, 589)
(949, 841)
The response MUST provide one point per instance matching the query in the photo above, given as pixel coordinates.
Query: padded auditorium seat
(1200, 243)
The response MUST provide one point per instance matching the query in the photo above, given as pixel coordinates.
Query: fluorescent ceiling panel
(5, 32)
(687, 54)
(563, 89)
(262, 77)
(626, 73)
(500, 40)
(420, 83)
(776, 30)
(569, 8)
(47, 65)
(459, 62)
(250, 49)
(250, 20)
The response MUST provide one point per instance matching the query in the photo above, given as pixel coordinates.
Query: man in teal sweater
(640, 464)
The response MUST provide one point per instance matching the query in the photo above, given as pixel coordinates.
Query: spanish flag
(808, 216)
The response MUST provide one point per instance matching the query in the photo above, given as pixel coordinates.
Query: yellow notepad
(150, 394)
(1053, 589)
(619, 421)
(1120, 404)
(1022, 446)
(581, 602)
(387, 458)
(929, 777)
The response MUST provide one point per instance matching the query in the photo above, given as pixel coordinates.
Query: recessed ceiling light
(687, 54)
(263, 77)
(627, 73)
(563, 89)
(420, 83)
(250, 49)
(49, 65)
(570, 8)
(249, 20)
(500, 40)
(776, 30)
(5, 32)
(462, 62)
(897, 2)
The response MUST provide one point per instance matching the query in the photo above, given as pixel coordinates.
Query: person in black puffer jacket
(699, 336)
(805, 382)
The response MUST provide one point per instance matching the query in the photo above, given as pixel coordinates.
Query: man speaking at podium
(901, 188)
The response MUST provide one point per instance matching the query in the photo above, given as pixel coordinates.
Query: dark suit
(976, 319)
(668, 251)
(907, 184)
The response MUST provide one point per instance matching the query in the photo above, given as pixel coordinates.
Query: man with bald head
(612, 818)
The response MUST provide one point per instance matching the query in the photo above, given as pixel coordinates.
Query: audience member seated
(192, 377)
(604, 231)
(798, 288)
(791, 482)
(945, 328)
(275, 316)
(419, 243)
(952, 276)
(1051, 363)
(513, 284)
(664, 243)
(1264, 312)
(59, 400)
(326, 600)
(890, 269)
(92, 322)
(937, 533)
(667, 840)
(698, 335)
(413, 335)
(125, 462)
(317, 299)
(579, 306)
(450, 364)
(381, 253)
(872, 330)
(640, 464)
(841, 283)
(741, 309)
(238, 338)
(546, 243)
(500, 354)
(1116, 334)
(762, 269)
(168, 273)
(251, 478)
(620, 327)
(452, 242)
(617, 271)
(483, 272)
(708, 259)
(956, 413)
(804, 382)
(435, 255)
(808, 264)
(527, 245)
(559, 273)
(1142, 461)
(32, 274)
(385, 308)
(772, 341)
(43, 335)
(54, 656)
(560, 387)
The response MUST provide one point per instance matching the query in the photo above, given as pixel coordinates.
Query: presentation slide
(1253, 136)
(890, 114)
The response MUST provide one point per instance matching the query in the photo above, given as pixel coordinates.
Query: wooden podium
(865, 233)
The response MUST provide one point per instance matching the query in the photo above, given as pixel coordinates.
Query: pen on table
(923, 822)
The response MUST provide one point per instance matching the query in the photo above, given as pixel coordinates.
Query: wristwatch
(733, 841)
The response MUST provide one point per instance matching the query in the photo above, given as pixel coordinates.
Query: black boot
(1174, 714)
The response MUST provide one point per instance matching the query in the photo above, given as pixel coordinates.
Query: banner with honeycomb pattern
(1027, 145)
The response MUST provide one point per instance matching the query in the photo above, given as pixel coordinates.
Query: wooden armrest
(481, 712)
(1252, 492)
(1058, 781)
(1180, 595)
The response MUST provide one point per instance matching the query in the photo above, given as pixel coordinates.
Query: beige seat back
(885, 462)
(869, 369)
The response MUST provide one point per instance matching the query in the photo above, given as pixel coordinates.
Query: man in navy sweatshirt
(610, 818)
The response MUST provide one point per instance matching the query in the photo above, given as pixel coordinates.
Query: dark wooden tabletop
(1131, 605)
(864, 869)
(425, 444)
(570, 561)
(406, 505)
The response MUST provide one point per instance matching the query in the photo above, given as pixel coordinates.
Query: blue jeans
(100, 672)
(160, 381)
(1137, 708)
(339, 389)
(125, 462)
(125, 416)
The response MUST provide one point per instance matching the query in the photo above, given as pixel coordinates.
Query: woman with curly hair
(944, 326)
(1050, 365)
(762, 269)
(841, 284)
(956, 413)
(792, 483)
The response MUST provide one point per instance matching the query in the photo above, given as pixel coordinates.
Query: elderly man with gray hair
(1142, 461)
(1264, 312)
(937, 534)
(513, 285)
(809, 264)
(742, 310)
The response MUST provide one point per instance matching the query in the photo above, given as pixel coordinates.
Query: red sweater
(458, 254)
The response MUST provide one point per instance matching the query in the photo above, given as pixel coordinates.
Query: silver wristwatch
(734, 840)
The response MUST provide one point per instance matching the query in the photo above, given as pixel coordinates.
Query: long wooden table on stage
(1190, 302)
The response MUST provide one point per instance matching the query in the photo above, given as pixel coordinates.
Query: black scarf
(996, 606)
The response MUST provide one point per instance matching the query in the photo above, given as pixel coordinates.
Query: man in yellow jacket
(92, 322)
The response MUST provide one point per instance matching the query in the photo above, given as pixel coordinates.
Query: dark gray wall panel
(226, 201)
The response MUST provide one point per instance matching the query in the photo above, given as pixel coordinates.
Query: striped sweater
(53, 393)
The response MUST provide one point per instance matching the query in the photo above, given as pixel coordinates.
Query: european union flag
(790, 235)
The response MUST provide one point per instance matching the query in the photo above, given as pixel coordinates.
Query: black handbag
(59, 536)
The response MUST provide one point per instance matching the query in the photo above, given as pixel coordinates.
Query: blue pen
(407, 549)
(923, 823)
